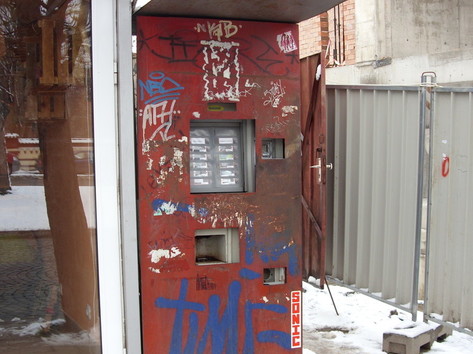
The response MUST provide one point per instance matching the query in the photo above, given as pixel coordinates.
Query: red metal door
(314, 165)
(219, 186)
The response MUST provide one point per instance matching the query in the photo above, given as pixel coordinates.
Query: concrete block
(408, 340)
(439, 333)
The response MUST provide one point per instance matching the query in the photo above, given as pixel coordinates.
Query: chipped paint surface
(215, 302)
(222, 71)
(289, 110)
(156, 255)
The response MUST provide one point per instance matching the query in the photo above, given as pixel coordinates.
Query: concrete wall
(397, 40)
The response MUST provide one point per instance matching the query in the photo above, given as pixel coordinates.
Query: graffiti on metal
(286, 42)
(193, 71)
(159, 93)
(222, 326)
(217, 30)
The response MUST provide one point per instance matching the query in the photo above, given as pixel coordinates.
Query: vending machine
(219, 185)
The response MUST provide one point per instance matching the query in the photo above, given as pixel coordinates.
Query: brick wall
(309, 37)
(334, 30)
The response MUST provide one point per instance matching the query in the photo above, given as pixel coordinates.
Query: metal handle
(328, 166)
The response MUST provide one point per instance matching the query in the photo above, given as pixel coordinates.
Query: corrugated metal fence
(450, 237)
(376, 138)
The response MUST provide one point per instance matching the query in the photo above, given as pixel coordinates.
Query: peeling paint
(196, 115)
(222, 64)
(154, 270)
(149, 164)
(289, 110)
(156, 255)
(172, 165)
(265, 299)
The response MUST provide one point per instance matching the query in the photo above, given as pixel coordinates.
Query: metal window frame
(117, 245)
(231, 241)
(247, 147)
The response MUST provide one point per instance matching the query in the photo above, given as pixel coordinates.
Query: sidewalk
(30, 298)
(28, 277)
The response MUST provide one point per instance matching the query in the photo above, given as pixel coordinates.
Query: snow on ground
(25, 208)
(360, 325)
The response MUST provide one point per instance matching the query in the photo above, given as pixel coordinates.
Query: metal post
(420, 186)
(429, 198)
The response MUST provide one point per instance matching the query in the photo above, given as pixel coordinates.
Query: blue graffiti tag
(159, 88)
(223, 330)
(181, 304)
(267, 254)
(278, 337)
(249, 274)
(161, 206)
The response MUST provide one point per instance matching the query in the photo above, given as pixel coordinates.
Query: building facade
(394, 42)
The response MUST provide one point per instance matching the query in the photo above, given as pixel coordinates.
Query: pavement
(30, 298)
(28, 277)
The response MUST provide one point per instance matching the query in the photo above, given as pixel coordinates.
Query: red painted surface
(445, 166)
(314, 153)
(183, 65)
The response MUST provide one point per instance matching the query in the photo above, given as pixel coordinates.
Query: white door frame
(115, 176)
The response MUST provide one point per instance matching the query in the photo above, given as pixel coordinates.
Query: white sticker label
(226, 157)
(225, 140)
(199, 157)
(201, 173)
(227, 173)
(200, 165)
(198, 141)
(227, 181)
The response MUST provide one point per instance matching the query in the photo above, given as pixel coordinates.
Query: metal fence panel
(375, 135)
(450, 284)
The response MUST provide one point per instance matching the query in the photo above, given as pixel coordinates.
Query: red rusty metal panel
(183, 65)
(314, 165)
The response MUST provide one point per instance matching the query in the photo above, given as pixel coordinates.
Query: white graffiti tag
(249, 87)
(218, 30)
(275, 94)
(158, 115)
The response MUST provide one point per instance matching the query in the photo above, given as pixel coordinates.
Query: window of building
(222, 156)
